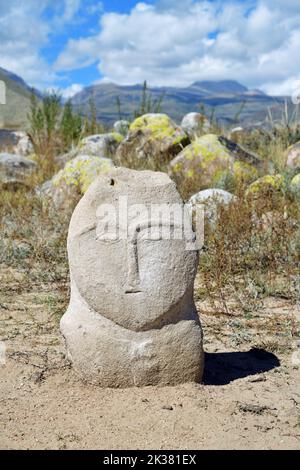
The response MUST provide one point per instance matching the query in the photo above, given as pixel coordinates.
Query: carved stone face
(138, 282)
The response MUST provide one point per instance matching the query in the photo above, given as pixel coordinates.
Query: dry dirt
(250, 398)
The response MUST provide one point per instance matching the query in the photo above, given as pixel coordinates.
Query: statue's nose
(133, 279)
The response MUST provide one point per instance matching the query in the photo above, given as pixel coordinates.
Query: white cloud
(18, 41)
(69, 92)
(173, 43)
(24, 31)
(71, 8)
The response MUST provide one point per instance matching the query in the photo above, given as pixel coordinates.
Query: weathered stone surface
(24, 145)
(293, 156)
(132, 320)
(15, 169)
(295, 184)
(267, 194)
(122, 127)
(214, 161)
(236, 134)
(152, 137)
(266, 186)
(74, 179)
(17, 142)
(101, 145)
(195, 124)
(211, 199)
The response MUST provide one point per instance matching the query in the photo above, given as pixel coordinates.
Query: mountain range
(229, 102)
(14, 113)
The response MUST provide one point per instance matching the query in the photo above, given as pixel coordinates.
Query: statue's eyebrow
(155, 224)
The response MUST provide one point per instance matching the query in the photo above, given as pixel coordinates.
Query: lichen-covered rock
(211, 200)
(293, 156)
(195, 124)
(74, 180)
(100, 145)
(122, 127)
(295, 184)
(15, 170)
(215, 161)
(152, 136)
(266, 186)
(267, 194)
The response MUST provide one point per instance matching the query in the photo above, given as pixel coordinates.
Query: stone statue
(132, 320)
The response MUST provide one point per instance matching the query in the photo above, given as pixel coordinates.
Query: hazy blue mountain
(230, 102)
(14, 113)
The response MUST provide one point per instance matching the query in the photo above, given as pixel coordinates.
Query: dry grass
(247, 258)
(33, 237)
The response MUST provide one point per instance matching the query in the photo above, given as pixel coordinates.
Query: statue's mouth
(133, 291)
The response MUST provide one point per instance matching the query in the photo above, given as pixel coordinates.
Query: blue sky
(69, 44)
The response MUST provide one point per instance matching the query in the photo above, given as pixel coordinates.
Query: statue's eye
(107, 237)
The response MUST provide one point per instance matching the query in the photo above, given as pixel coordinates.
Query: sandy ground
(250, 398)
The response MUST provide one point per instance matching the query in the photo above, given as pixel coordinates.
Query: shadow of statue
(223, 368)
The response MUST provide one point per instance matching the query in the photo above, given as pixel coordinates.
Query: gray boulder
(153, 138)
(122, 127)
(70, 183)
(24, 145)
(101, 145)
(211, 200)
(15, 169)
(195, 124)
(17, 142)
(293, 156)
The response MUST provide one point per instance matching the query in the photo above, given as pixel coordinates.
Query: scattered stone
(17, 142)
(152, 137)
(195, 124)
(100, 145)
(211, 199)
(168, 408)
(24, 145)
(266, 186)
(215, 161)
(238, 134)
(295, 184)
(62, 160)
(74, 180)
(122, 127)
(132, 320)
(292, 156)
(15, 170)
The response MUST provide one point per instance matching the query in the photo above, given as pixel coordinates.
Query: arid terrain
(149, 174)
(250, 397)
(247, 289)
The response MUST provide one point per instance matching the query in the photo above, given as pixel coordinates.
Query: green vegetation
(54, 129)
(148, 104)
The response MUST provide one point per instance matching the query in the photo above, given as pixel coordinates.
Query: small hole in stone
(112, 182)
